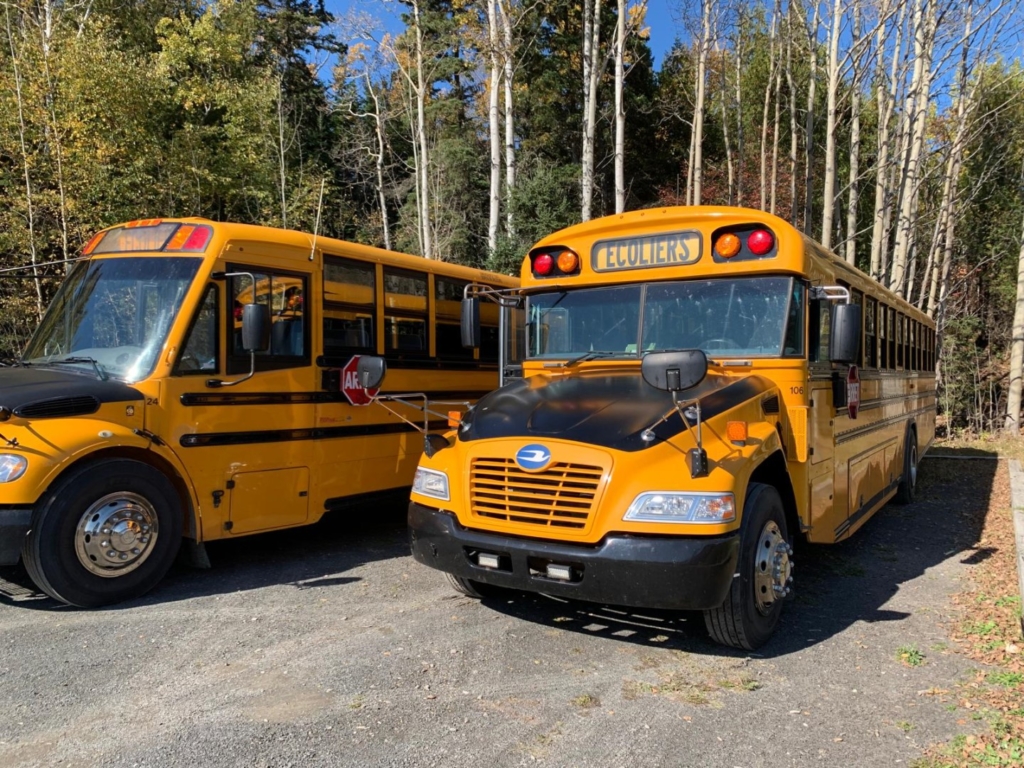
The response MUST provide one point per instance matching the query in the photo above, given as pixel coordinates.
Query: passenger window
(821, 330)
(870, 333)
(285, 295)
(349, 308)
(900, 325)
(448, 307)
(199, 353)
(405, 313)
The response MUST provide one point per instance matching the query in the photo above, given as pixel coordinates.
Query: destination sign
(665, 249)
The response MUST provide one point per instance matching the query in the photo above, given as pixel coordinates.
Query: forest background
(890, 130)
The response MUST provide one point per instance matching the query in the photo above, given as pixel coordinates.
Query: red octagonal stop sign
(853, 391)
(351, 386)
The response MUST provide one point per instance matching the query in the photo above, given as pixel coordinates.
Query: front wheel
(752, 607)
(105, 533)
(471, 588)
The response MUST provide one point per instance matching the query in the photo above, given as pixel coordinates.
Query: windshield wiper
(100, 373)
(592, 355)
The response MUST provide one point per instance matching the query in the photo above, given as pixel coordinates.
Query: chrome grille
(560, 496)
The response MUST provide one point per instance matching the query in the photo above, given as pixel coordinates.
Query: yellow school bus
(700, 387)
(189, 379)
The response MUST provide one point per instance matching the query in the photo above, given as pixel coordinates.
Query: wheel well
(154, 460)
(773, 471)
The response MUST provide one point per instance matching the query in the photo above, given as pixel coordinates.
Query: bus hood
(43, 392)
(604, 409)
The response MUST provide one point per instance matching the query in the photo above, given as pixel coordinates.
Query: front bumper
(673, 572)
(14, 524)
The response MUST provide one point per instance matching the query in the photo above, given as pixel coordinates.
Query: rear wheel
(907, 490)
(752, 607)
(105, 533)
(471, 588)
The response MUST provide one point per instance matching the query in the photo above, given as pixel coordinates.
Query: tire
(105, 533)
(907, 490)
(750, 613)
(471, 588)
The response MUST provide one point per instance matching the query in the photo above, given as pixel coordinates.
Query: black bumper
(14, 524)
(678, 573)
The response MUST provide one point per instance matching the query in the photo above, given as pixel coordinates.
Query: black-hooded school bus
(194, 379)
(695, 389)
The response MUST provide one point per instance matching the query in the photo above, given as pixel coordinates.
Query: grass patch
(910, 655)
(1005, 679)
(905, 725)
(586, 701)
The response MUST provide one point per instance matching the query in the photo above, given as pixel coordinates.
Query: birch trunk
(698, 114)
(791, 103)
(812, 38)
(378, 124)
(1012, 424)
(924, 16)
(885, 99)
(510, 122)
(740, 154)
(493, 129)
(423, 161)
(828, 194)
(620, 110)
(854, 194)
(591, 46)
(766, 105)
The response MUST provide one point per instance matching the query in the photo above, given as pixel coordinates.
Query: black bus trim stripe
(212, 439)
(298, 398)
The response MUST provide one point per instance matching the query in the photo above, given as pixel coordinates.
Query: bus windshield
(113, 315)
(725, 317)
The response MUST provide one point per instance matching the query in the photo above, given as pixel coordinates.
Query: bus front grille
(560, 496)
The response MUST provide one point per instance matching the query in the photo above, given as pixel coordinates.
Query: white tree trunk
(791, 104)
(766, 105)
(494, 129)
(423, 161)
(1013, 397)
(829, 198)
(510, 123)
(591, 54)
(854, 195)
(812, 86)
(924, 29)
(620, 109)
(885, 99)
(698, 115)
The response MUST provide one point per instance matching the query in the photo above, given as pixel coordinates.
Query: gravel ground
(329, 646)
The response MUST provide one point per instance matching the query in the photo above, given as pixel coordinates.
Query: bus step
(18, 592)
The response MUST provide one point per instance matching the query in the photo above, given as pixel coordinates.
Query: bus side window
(285, 294)
(821, 329)
(349, 308)
(405, 312)
(199, 353)
(447, 308)
(870, 333)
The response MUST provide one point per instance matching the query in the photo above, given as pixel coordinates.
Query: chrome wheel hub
(773, 568)
(913, 465)
(116, 534)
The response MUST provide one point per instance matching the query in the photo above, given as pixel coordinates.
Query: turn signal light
(736, 431)
(568, 262)
(454, 417)
(543, 264)
(727, 245)
(760, 242)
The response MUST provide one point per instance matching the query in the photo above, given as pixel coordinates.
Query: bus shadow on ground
(836, 586)
(305, 557)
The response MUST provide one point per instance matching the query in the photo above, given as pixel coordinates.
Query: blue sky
(659, 19)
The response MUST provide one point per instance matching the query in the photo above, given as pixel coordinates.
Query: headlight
(430, 483)
(12, 466)
(669, 507)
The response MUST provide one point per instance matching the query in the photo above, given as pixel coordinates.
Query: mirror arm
(698, 456)
(214, 383)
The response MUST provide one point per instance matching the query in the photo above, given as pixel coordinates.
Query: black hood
(51, 392)
(605, 409)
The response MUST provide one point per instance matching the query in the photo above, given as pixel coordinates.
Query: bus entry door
(276, 498)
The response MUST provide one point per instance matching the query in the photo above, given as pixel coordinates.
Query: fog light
(487, 560)
(560, 572)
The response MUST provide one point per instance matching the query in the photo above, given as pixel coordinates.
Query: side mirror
(674, 370)
(844, 343)
(255, 328)
(471, 322)
(370, 371)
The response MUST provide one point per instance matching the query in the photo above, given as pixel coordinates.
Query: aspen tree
(829, 194)
(698, 115)
(1013, 397)
(591, 75)
(493, 127)
(772, 77)
(620, 109)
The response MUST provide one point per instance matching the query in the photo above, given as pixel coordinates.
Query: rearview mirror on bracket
(370, 371)
(471, 322)
(844, 343)
(674, 370)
